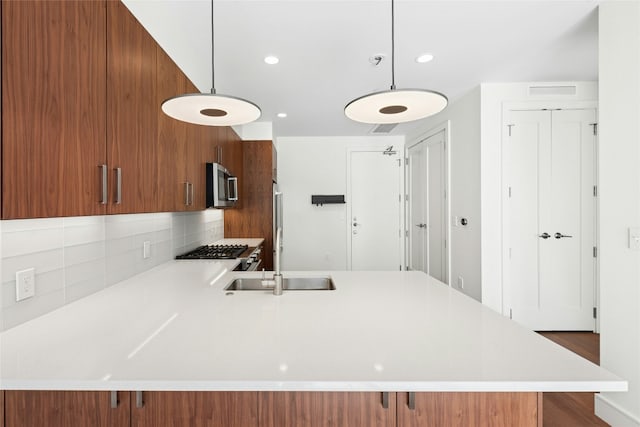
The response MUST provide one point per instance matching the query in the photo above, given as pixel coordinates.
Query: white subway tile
(118, 246)
(14, 225)
(75, 221)
(83, 289)
(120, 267)
(83, 253)
(92, 270)
(31, 308)
(80, 234)
(41, 261)
(29, 241)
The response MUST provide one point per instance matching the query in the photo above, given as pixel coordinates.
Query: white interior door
(374, 196)
(428, 207)
(551, 215)
(418, 208)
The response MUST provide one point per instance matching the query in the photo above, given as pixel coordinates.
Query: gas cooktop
(215, 252)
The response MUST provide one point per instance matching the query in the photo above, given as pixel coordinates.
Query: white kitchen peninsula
(174, 328)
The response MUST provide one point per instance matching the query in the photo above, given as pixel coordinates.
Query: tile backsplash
(77, 256)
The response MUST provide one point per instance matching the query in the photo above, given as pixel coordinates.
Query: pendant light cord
(393, 50)
(213, 57)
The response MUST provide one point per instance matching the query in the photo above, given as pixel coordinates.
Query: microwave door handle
(233, 195)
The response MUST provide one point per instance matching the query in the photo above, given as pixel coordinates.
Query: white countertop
(251, 242)
(174, 328)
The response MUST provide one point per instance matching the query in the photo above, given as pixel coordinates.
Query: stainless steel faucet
(276, 281)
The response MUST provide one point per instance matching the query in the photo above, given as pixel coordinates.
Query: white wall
(76, 256)
(315, 237)
(619, 173)
(463, 116)
(493, 97)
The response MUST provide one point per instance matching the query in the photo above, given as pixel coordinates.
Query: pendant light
(395, 105)
(211, 109)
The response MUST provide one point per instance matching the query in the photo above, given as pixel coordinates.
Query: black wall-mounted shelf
(319, 200)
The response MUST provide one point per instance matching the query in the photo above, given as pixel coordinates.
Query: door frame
(505, 236)
(401, 223)
(446, 128)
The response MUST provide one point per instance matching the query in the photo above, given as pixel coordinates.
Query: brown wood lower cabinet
(270, 409)
(195, 409)
(335, 409)
(65, 408)
(470, 409)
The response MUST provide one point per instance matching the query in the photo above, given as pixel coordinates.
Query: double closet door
(549, 224)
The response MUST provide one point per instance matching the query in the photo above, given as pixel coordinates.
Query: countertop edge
(324, 386)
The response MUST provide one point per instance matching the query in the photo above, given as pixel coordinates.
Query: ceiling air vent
(552, 90)
(383, 128)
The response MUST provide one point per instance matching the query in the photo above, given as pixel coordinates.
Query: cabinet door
(172, 138)
(470, 409)
(132, 112)
(320, 409)
(65, 408)
(196, 409)
(53, 107)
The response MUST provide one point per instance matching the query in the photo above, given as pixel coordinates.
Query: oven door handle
(254, 266)
(233, 195)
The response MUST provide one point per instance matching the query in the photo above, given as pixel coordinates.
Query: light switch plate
(634, 238)
(25, 284)
(146, 249)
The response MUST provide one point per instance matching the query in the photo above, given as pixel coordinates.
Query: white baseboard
(613, 414)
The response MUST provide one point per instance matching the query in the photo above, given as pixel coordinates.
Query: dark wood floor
(572, 409)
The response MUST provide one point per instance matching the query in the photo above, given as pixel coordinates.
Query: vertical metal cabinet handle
(191, 195)
(118, 186)
(411, 401)
(186, 193)
(233, 180)
(385, 399)
(114, 399)
(103, 169)
(139, 399)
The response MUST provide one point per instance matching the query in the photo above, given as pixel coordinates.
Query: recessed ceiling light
(425, 57)
(282, 115)
(271, 60)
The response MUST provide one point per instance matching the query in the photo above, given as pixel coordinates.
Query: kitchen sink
(288, 284)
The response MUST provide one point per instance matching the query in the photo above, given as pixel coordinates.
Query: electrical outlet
(146, 249)
(460, 282)
(634, 238)
(25, 284)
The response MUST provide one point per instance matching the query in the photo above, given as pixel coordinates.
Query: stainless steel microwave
(221, 186)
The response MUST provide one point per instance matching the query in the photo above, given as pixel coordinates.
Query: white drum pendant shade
(395, 106)
(211, 109)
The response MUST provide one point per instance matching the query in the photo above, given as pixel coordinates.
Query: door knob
(421, 225)
(355, 224)
(560, 235)
(545, 235)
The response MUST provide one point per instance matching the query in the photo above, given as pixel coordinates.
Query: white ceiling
(324, 48)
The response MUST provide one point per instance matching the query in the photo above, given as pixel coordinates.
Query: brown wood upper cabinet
(132, 113)
(53, 107)
(82, 128)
